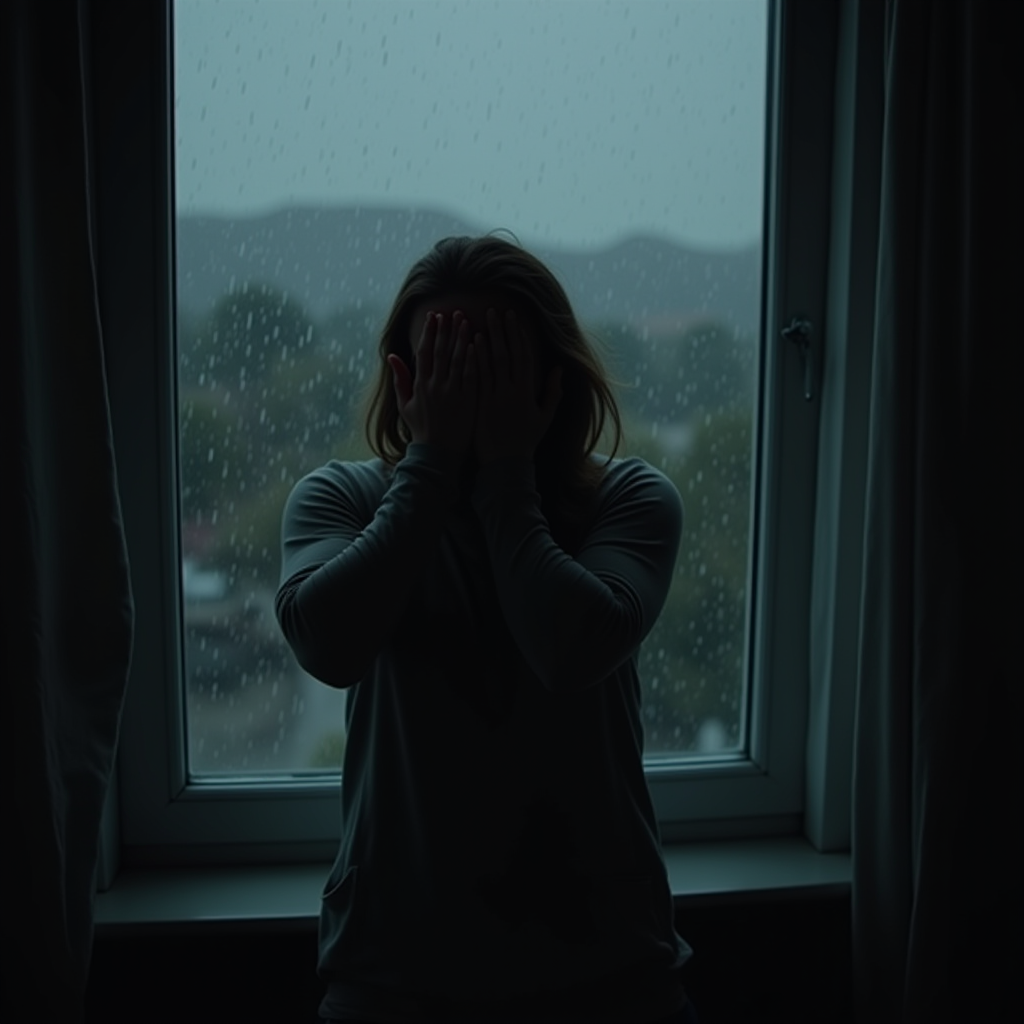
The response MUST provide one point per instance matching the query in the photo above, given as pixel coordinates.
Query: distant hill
(331, 258)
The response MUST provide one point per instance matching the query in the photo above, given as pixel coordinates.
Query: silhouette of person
(481, 589)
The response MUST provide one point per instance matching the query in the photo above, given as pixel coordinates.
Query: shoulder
(634, 505)
(335, 474)
(636, 522)
(633, 483)
(338, 485)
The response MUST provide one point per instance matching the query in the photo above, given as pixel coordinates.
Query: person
(481, 589)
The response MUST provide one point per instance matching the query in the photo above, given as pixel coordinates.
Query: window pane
(320, 149)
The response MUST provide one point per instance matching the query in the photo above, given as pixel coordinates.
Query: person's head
(499, 272)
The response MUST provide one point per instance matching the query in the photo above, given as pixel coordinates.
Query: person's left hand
(517, 402)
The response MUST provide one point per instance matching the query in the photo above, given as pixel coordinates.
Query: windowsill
(288, 896)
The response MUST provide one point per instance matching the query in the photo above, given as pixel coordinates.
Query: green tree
(675, 378)
(246, 333)
(692, 664)
(266, 396)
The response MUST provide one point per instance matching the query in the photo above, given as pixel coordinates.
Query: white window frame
(157, 816)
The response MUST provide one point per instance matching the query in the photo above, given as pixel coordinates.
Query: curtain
(67, 608)
(937, 848)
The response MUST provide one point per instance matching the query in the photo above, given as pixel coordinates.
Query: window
(297, 216)
(208, 789)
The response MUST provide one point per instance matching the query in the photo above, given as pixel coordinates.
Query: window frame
(156, 816)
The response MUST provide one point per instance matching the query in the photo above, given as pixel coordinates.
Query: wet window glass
(320, 149)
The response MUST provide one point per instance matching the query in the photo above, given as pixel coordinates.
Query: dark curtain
(938, 768)
(67, 608)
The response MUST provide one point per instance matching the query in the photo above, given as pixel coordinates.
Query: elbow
(583, 651)
(315, 657)
(593, 658)
(322, 662)
(325, 670)
(577, 675)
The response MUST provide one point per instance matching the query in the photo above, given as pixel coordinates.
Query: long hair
(566, 471)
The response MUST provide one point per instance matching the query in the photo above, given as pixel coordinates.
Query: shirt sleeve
(578, 619)
(354, 543)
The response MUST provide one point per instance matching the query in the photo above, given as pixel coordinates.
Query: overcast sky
(570, 122)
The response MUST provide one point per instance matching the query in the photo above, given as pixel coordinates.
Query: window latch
(799, 332)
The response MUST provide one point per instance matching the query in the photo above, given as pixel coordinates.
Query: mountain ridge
(330, 258)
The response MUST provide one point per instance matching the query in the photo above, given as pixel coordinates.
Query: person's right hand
(439, 404)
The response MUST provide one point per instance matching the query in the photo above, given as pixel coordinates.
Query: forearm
(336, 611)
(575, 620)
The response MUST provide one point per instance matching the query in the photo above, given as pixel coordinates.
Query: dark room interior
(896, 225)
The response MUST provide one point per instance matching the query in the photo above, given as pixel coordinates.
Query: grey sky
(569, 122)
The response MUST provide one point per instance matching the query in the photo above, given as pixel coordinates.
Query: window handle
(799, 332)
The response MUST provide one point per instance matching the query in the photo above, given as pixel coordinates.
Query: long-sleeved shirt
(498, 839)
